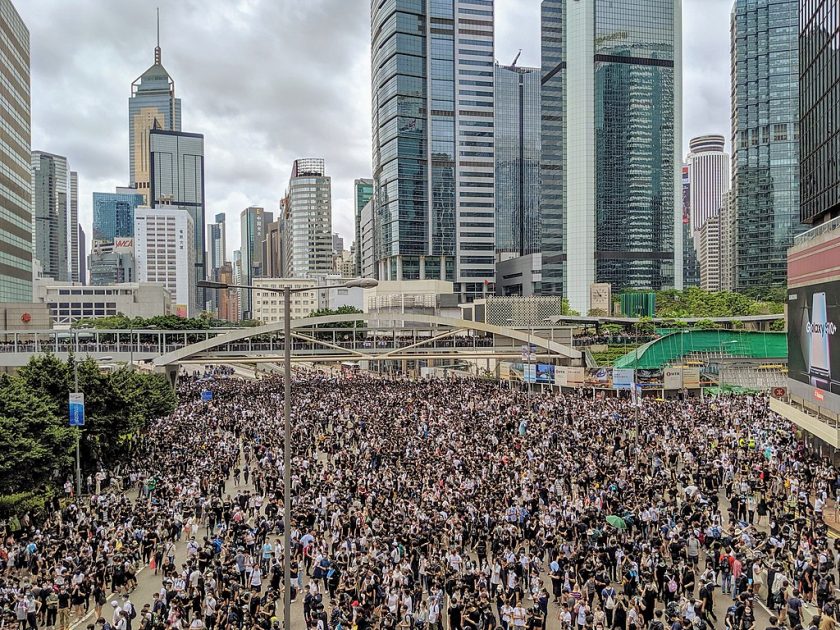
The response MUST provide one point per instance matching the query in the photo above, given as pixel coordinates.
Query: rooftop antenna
(157, 48)
(513, 65)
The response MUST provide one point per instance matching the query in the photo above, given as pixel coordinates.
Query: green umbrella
(617, 522)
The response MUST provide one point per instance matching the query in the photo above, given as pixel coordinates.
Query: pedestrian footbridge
(334, 338)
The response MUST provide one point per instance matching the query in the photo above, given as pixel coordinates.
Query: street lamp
(79, 429)
(357, 283)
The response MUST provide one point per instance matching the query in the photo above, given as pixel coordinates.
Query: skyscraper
(15, 158)
(765, 139)
(82, 256)
(216, 246)
(363, 189)
(51, 208)
(113, 213)
(307, 220)
(177, 179)
(819, 99)
(517, 129)
(152, 105)
(73, 226)
(252, 222)
(611, 170)
(272, 251)
(433, 148)
(691, 267)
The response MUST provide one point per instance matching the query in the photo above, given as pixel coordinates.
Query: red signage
(818, 394)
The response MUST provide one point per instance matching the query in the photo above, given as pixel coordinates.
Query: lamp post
(358, 283)
(79, 429)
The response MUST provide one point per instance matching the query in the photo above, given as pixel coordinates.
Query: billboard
(568, 376)
(540, 373)
(813, 351)
(691, 377)
(672, 378)
(623, 378)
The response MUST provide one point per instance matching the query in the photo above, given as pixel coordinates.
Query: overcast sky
(268, 81)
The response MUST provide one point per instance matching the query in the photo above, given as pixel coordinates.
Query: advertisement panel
(672, 378)
(623, 378)
(599, 377)
(545, 373)
(691, 378)
(504, 371)
(575, 376)
(813, 355)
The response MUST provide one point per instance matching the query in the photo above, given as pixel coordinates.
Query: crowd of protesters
(423, 505)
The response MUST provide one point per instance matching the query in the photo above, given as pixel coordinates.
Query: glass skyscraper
(51, 210)
(433, 144)
(819, 69)
(517, 136)
(15, 160)
(765, 139)
(363, 189)
(113, 214)
(611, 169)
(248, 260)
(152, 105)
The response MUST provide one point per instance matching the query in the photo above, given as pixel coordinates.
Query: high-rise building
(16, 243)
(252, 222)
(819, 100)
(152, 105)
(611, 170)
(113, 213)
(691, 267)
(228, 298)
(112, 262)
(164, 250)
(51, 210)
(709, 176)
(433, 148)
(177, 179)
(307, 220)
(273, 250)
(82, 256)
(363, 189)
(216, 246)
(366, 247)
(73, 226)
(517, 137)
(765, 138)
(337, 243)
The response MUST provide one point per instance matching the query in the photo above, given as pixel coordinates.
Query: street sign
(206, 395)
(77, 410)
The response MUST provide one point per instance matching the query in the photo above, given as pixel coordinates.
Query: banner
(568, 376)
(599, 377)
(691, 378)
(672, 378)
(623, 378)
(504, 371)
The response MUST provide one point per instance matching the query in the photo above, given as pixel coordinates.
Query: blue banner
(76, 406)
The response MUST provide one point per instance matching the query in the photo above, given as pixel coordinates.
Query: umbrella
(617, 522)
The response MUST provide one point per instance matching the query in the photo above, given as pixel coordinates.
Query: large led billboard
(813, 344)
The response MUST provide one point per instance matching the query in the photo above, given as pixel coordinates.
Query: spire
(157, 48)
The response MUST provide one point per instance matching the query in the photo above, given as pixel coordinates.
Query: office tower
(152, 105)
(216, 246)
(708, 165)
(727, 243)
(236, 274)
(272, 252)
(177, 179)
(16, 242)
(366, 248)
(611, 168)
(113, 213)
(691, 267)
(363, 189)
(765, 138)
(819, 100)
(307, 220)
(337, 244)
(82, 256)
(228, 298)
(51, 210)
(517, 128)
(252, 222)
(709, 176)
(433, 150)
(73, 226)
(112, 262)
(164, 253)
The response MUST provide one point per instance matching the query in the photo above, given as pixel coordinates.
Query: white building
(268, 305)
(70, 302)
(165, 253)
(708, 166)
(307, 221)
(709, 253)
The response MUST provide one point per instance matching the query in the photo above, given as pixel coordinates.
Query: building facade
(272, 253)
(268, 305)
(51, 213)
(152, 105)
(433, 141)
(611, 170)
(307, 220)
(709, 176)
(112, 262)
(765, 138)
(517, 138)
(82, 256)
(73, 226)
(367, 245)
(708, 240)
(252, 223)
(228, 298)
(69, 303)
(819, 100)
(164, 250)
(691, 268)
(363, 192)
(16, 243)
(113, 214)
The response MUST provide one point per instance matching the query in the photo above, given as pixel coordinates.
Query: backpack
(610, 603)
(133, 613)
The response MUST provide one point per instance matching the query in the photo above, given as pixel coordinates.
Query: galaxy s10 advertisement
(813, 342)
